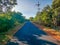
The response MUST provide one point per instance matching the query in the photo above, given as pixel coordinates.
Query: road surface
(29, 34)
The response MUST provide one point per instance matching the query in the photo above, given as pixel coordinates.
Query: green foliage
(56, 4)
(44, 17)
(3, 38)
(31, 18)
(18, 17)
(49, 15)
(6, 22)
(56, 10)
(9, 20)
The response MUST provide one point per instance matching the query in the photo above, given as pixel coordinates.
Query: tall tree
(31, 18)
(7, 5)
(56, 10)
(56, 4)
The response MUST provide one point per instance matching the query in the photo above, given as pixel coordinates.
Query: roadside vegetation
(49, 19)
(49, 16)
(9, 21)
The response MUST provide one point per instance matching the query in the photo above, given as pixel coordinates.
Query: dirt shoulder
(52, 32)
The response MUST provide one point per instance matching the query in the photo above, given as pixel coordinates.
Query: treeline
(49, 16)
(9, 20)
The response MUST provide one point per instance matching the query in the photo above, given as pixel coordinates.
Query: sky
(28, 7)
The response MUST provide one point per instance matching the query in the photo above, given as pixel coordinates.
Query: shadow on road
(29, 34)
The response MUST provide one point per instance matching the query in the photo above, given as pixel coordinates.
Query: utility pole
(38, 6)
(38, 10)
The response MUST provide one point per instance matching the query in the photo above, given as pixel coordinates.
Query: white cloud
(28, 7)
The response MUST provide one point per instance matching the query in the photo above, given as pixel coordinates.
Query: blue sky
(28, 7)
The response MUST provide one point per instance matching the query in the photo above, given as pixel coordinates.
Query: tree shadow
(28, 35)
(32, 40)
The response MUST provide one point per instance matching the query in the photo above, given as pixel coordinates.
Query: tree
(55, 4)
(18, 17)
(56, 10)
(10, 20)
(45, 16)
(31, 18)
(7, 5)
(6, 22)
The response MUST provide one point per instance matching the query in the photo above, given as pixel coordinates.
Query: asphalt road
(29, 34)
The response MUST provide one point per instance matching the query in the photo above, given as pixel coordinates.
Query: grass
(4, 37)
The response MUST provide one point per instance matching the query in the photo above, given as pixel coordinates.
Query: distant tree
(18, 17)
(37, 17)
(31, 18)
